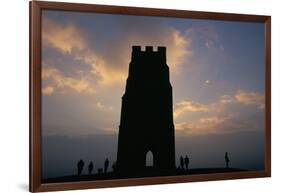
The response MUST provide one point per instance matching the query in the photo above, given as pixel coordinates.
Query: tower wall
(147, 113)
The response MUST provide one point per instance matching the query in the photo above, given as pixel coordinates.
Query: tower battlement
(149, 52)
(138, 49)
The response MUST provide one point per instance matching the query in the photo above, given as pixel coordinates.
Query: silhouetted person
(80, 166)
(106, 163)
(186, 161)
(113, 167)
(226, 158)
(90, 167)
(182, 162)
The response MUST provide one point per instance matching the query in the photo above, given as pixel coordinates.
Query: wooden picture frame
(36, 8)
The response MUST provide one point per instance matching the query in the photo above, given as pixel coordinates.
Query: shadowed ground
(151, 173)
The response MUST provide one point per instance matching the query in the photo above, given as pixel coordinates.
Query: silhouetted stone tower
(147, 114)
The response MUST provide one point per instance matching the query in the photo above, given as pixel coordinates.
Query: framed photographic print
(123, 96)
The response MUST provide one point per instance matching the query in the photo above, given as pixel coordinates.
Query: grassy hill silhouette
(147, 173)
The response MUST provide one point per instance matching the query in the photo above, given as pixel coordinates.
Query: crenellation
(136, 49)
(149, 48)
(159, 53)
(161, 49)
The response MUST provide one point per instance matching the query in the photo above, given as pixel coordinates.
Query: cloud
(48, 90)
(221, 117)
(226, 99)
(179, 47)
(108, 74)
(102, 107)
(250, 98)
(217, 124)
(178, 44)
(65, 37)
(204, 126)
(188, 106)
(57, 81)
(109, 130)
(209, 36)
(110, 67)
(246, 98)
(68, 39)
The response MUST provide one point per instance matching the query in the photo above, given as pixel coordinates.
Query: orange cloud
(64, 37)
(108, 74)
(250, 98)
(58, 81)
(185, 106)
(204, 126)
(70, 40)
(254, 99)
(220, 124)
(48, 90)
(243, 97)
(225, 99)
(102, 107)
(110, 130)
(112, 70)
(178, 46)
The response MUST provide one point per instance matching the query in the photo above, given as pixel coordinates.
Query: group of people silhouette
(80, 166)
(184, 165)
(184, 162)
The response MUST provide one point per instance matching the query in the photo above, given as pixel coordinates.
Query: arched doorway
(149, 162)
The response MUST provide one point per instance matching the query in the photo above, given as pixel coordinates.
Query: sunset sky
(216, 71)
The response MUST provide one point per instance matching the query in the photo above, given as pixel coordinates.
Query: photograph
(133, 96)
